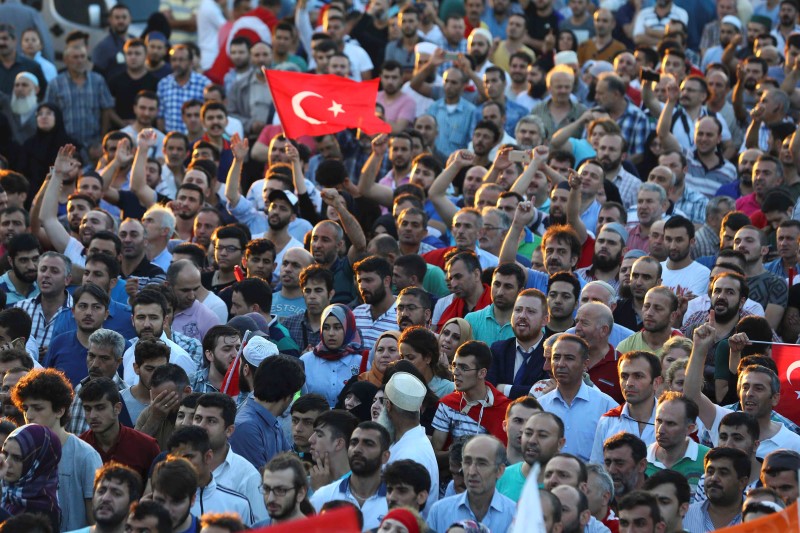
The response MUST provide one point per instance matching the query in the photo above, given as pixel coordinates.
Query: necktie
(518, 377)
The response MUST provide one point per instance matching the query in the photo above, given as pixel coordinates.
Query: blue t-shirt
(65, 353)
(284, 307)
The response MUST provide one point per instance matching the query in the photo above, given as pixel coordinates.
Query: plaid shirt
(82, 104)
(628, 186)
(77, 417)
(200, 382)
(706, 242)
(461, 48)
(172, 96)
(635, 128)
(42, 330)
(300, 331)
(192, 347)
(693, 204)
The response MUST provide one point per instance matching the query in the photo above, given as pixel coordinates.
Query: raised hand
(758, 112)
(463, 158)
(737, 342)
(321, 473)
(380, 145)
(575, 180)
(523, 215)
(64, 160)
(501, 161)
(292, 153)
(146, 139)
(704, 335)
(673, 92)
(164, 403)
(240, 147)
(124, 154)
(333, 198)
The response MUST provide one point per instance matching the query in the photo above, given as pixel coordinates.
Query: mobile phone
(650, 76)
(519, 156)
(450, 56)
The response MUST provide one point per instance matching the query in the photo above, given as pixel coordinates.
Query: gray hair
(654, 187)
(64, 259)
(714, 206)
(166, 217)
(109, 339)
(532, 119)
(336, 228)
(502, 216)
(781, 97)
(674, 178)
(612, 294)
(602, 479)
(604, 311)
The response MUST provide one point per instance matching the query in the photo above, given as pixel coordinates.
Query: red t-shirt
(605, 377)
(133, 448)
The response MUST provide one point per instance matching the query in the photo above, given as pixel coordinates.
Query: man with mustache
(116, 487)
(608, 249)
(368, 451)
(768, 175)
(659, 311)
(518, 362)
(645, 274)
(378, 313)
(541, 439)
(400, 416)
(469, 293)
(23, 106)
(414, 308)
(625, 460)
(19, 283)
(765, 287)
(563, 291)
(727, 471)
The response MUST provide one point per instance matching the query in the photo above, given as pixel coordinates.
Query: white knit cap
(405, 391)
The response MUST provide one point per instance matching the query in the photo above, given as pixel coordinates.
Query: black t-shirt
(539, 27)
(124, 88)
(207, 279)
(131, 208)
(371, 39)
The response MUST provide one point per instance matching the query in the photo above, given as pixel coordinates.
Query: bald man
(289, 300)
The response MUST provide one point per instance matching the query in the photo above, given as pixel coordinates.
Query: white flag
(529, 517)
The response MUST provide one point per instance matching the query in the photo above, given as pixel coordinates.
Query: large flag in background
(787, 359)
(312, 104)
(784, 522)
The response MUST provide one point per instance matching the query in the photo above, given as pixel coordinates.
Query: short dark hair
(650, 357)
(566, 277)
(125, 474)
(678, 221)
(376, 264)
(489, 125)
(412, 265)
(24, 242)
(92, 290)
(223, 402)
(17, 354)
(99, 389)
(637, 445)
(479, 350)
(106, 235)
(149, 349)
(176, 476)
(169, 373)
(391, 65)
(147, 297)
(640, 498)
(278, 377)
(310, 402)
(46, 384)
(111, 263)
(196, 253)
(735, 220)
(740, 418)
(385, 438)
(512, 269)
(525, 401)
(583, 473)
(213, 335)
(317, 272)
(420, 294)
(341, 423)
(255, 291)
(193, 436)
(231, 231)
(563, 233)
(144, 508)
(408, 472)
(740, 460)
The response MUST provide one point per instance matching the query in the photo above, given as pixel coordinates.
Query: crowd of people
(571, 256)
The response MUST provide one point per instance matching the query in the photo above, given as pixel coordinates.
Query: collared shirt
(328, 377)
(636, 240)
(604, 374)
(542, 110)
(301, 331)
(648, 18)
(237, 473)
(177, 355)
(216, 498)
(133, 448)
(777, 268)
(698, 520)
(619, 420)
(635, 128)
(372, 510)
(200, 383)
(12, 294)
(372, 329)
(455, 123)
(498, 517)
(82, 104)
(486, 328)
(580, 417)
(706, 242)
(628, 186)
(42, 329)
(77, 417)
(693, 204)
(697, 309)
(636, 342)
(415, 445)
(707, 180)
(191, 345)
(587, 274)
(786, 437)
(690, 465)
(258, 436)
(171, 97)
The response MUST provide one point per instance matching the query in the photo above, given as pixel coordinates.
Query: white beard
(23, 106)
(384, 420)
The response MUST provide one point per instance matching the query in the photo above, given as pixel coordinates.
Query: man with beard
(463, 270)
(288, 301)
(694, 94)
(768, 176)
(175, 149)
(135, 267)
(23, 106)
(17, 62)
(107, 54)
(249, 98)
(577, 404)
(239, 54)
(401, 51)
(758, 390)
(67, 351)
(367, 452)
(116, 487)
(220, 346)
(659, 311)
(378, 313)
(727, 471)
(517, 415)
(518, 90)
(645, 274)
(493, 323)
(149, 316)
(608, 248)
(284, 475)
(612, 149)
(19, 283)
(399, 108)
(495, 83)
(186, 207)
(518, 362)
(729, 27)
(542, 437)
(765, 287)
(125, 85)
(583, 206)
(575, 513)
(744, 184)
(563, 291)
(10, 377)
(680, 272)
(182, 85)
(414, 308)
(625, 459)
(400, 417)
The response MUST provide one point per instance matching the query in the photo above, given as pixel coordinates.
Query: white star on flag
(336, 108)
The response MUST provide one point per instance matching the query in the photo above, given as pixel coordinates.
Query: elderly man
(651, 204)
(610, 94)
(23, 106)
(593, 324)
(559, 110)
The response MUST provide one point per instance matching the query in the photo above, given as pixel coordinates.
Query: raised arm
(704, 337)
(144, 193)
(668, 141)
(574, 206)
(49, 212)
(437, 193)
(757, 118)
(307, 208)
(367, 185)
(350, 225)
(523, 216)
(737, 96)
(560, 139)
(122, 157)
(649, 100)
(239, 148)
(538, 158)
(418, 82)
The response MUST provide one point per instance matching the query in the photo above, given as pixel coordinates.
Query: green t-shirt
(434, 281)
(691, 465)
(511, 482)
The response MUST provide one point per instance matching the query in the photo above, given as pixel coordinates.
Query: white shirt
(209, 21)
(694, 277)
(276, 274)
(784, 438)
(373, 509)
(619, 420)
(415, 445)
(237, 473)
(177, 355)
(359, 59)
(217, 306)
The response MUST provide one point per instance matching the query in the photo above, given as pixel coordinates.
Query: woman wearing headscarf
(467, 526)
(386, 352)
(39, 151)
(357, 397)
(30, 473)
(337, 357)
(455, 332)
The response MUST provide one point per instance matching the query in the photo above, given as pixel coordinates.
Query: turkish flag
(787, 359)
(342, 520)
(318, 104)
(782, 522)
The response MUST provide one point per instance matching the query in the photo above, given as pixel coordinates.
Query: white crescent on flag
(794, 366)
(297, 100)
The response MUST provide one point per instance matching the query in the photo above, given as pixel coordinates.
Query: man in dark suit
(518, 362)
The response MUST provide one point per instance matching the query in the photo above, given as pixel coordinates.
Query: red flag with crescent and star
(314, 104)
(787, 359)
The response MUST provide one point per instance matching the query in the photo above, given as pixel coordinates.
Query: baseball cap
(287, 196)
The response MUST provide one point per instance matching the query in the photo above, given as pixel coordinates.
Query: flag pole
(773, 343)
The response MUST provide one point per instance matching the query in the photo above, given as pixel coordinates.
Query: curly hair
(46, 384)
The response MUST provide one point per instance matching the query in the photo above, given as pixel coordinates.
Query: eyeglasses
(410, 308)
(280, 492)
(230, 249)
(461, 368)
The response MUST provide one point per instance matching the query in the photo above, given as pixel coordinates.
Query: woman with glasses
(455, 332)
(420, 347)
(337, 357)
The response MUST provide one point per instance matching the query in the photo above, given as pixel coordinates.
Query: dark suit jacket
(504, 354)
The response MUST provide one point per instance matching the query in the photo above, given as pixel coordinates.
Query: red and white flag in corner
(787, 359)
